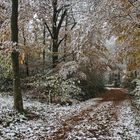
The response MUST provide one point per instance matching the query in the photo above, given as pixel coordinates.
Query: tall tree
(18, 103)
(44, 42)
(56, 29)
(59, 12)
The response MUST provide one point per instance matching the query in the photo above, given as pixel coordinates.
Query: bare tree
(58, 17)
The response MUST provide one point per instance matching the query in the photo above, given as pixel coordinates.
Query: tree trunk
(55, 35)
(65, 43)
(26, 55)
(44, 42)
(55, 54)
(18, 103)
(44, 58)
(27, 64)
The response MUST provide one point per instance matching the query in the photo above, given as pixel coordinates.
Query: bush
(89, 79)
(5, 72)
(5, 84)
(136, 93)
(93, 84)
(56, 88)
(5, 65)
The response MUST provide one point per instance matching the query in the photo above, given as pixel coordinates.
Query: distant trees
(46, 32)
(18, 103)
(128, 36)
(55, 20)
(124, 22)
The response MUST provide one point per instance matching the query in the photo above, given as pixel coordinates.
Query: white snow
(97, 122)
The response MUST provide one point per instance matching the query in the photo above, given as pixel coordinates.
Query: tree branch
(69, 24)
(61, 41)
(74, 22)
(61, 8)
(61, 20)
(73, 25)
(49, 30)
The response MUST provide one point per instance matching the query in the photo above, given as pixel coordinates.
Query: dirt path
(111, 118)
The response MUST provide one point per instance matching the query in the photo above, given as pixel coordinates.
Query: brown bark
(18, 103)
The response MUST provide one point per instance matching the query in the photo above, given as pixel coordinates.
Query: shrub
(5, 66)
(93, 84)
(5, 72)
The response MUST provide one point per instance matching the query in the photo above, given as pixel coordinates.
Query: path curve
(100, 121)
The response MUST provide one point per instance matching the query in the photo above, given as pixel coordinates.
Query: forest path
(113, 117)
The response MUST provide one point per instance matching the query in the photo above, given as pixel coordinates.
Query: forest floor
(109, 117)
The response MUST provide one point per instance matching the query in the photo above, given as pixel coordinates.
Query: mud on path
(111, 118)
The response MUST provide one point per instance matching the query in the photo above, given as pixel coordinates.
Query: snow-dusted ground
(107, 123)
(90, 120)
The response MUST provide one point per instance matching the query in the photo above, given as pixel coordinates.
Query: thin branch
(132, 1)
(73, 25)
(61, 40)
(49, 30)
(61, 8)
(74, 22)
(61, 20)
(69, 24)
